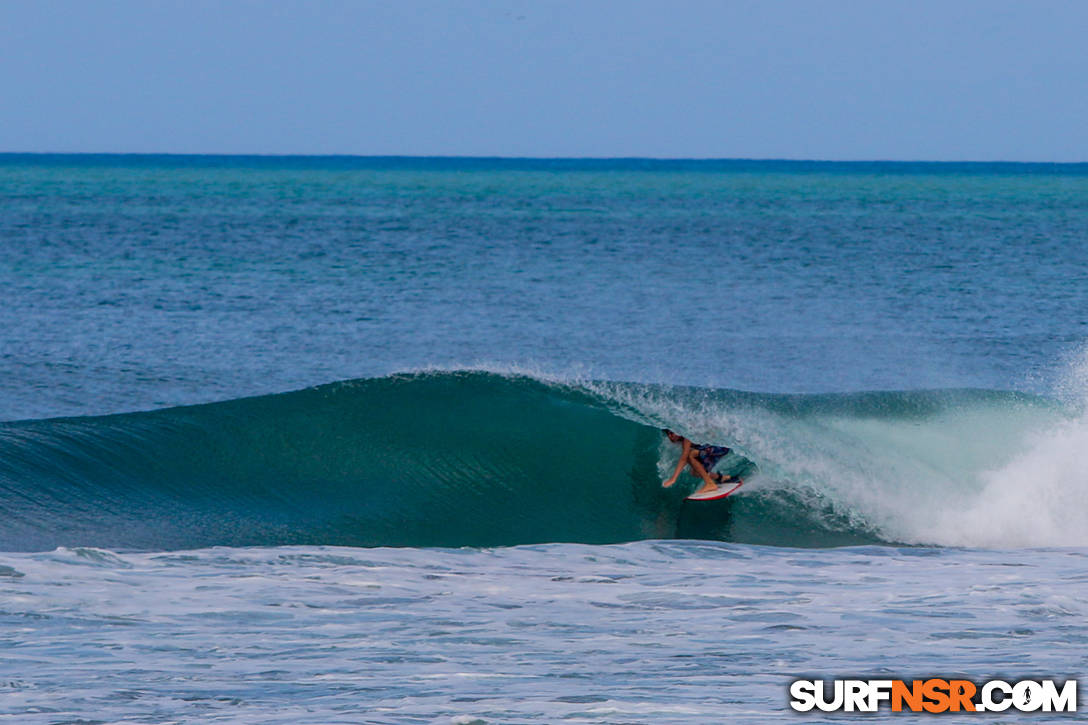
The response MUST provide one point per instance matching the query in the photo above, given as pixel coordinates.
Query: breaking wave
(474, 458)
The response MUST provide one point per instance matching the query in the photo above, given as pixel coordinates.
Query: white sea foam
(989, 471)
(668, 632)
(1038, 498)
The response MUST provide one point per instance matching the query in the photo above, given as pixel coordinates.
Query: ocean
(377, 440)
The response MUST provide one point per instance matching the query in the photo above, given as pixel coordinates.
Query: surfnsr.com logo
(934, 695)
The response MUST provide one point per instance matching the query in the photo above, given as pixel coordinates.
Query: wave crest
(472, 458)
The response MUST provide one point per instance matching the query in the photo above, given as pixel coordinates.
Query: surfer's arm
(680, 465)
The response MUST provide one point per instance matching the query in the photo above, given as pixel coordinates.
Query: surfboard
(720, 492)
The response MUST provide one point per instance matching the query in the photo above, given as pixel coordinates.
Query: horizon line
(495, 157)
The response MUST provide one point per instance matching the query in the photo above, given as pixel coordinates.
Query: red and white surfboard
(721, 491)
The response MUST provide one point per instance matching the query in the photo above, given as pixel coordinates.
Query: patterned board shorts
(710, 455)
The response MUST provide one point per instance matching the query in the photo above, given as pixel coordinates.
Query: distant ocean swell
(473, 458)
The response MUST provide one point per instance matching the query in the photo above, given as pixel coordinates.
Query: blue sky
(920, 79)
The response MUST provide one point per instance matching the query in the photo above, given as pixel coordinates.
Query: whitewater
(475, 458)
(252, 468)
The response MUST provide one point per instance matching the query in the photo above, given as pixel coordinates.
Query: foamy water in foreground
(662, 632)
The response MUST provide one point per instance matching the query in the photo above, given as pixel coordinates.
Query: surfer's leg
(700, 471)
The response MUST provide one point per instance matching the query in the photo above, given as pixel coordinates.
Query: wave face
(471, 458)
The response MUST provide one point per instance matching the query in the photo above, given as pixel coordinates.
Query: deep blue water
(136, 282)
(895, 352)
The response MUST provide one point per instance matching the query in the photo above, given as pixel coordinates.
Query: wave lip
(474, 458)
(452, 459)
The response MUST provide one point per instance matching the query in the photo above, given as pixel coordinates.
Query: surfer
(701, 458)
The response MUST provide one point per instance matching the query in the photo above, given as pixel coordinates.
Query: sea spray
(472, 458)
(1039, 497)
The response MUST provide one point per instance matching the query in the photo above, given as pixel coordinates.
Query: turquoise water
(375, 440)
